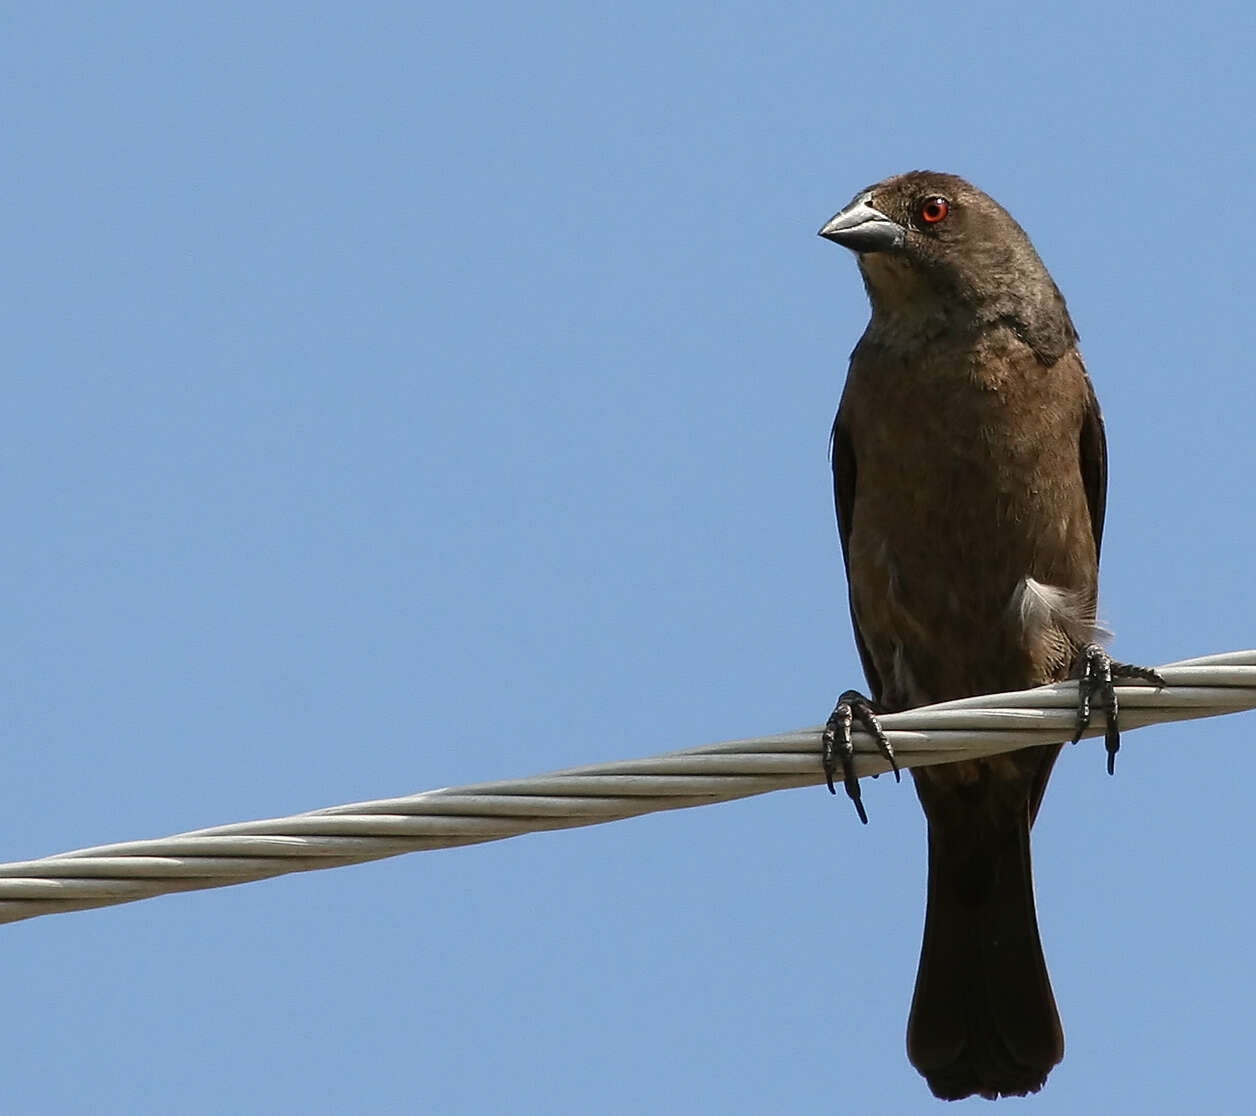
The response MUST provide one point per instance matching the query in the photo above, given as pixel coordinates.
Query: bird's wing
(842, 455)
(1093, 452)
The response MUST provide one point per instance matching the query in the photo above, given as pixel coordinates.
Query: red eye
(933, 210)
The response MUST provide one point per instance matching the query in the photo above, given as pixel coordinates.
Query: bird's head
(935, 252)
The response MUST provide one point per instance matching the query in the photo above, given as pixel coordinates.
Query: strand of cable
(453, 816)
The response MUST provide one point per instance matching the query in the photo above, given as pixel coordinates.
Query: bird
(969, 477)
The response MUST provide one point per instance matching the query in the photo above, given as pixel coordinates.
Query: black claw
(1083, 707)
(863, 712)
(1096, 674)
(1111, 713)
(1127, 670)
(829, 740)
(839, 749)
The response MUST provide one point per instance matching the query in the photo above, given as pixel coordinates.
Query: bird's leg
(839, 749)
(1097, 672)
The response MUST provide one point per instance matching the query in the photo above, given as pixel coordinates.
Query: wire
(453, 816)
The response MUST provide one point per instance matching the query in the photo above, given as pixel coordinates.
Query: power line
(437, 819)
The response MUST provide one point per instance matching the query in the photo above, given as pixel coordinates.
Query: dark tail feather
(983, 1019)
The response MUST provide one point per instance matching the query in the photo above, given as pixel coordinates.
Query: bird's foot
(839, 750)
(1097, 672)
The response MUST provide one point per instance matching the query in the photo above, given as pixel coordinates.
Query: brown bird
(970, 472)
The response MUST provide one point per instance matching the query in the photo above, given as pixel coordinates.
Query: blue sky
(403, 397)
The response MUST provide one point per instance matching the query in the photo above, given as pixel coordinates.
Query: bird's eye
(934, 210)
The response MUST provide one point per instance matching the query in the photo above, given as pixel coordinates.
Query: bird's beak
(863, 228)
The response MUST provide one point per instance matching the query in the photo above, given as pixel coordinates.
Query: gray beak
(861, 228)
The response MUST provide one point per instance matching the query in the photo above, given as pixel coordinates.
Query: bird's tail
(983, 1018)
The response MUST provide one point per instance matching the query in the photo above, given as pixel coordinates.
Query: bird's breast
(970, 542)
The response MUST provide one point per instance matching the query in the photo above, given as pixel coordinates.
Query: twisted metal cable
(452, 816)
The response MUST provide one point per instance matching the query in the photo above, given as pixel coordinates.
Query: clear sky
(405, 395)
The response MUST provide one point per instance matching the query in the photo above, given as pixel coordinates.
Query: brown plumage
(969, 475)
